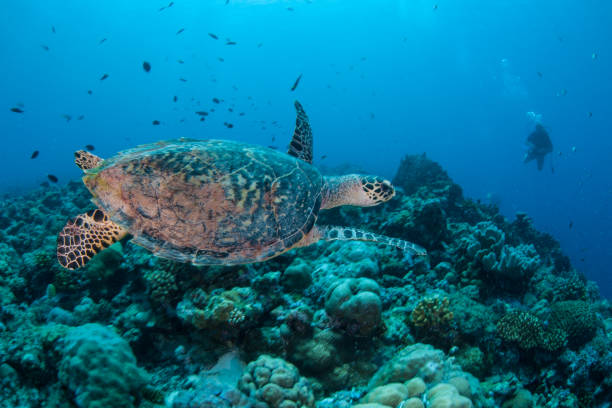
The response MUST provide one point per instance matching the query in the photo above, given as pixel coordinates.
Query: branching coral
(528, 332)
(432, 313)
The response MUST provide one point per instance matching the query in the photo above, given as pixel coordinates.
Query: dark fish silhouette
(241, 114)
(52, 178)
(324, 157)
(216, 100)
(67, 117)
(590, 114)
(89, 92)
(202, 119)
(102, 41)
(81, 117)
(156, 122)
(220, 59)
(296, 83)
(571, 224)
(53, 29)
(230, 43)
(168, 6)
(182, 80)
(34, 154)
(90, 147)
(202, 113)
(104, 77)
(180, 61)
(180, 31)
(228, 125)
(44, 184)
(146, 66)
(17, 110)
(213, 36)
(272, 147)
(44, 47)
(540, 74)
(175, 98)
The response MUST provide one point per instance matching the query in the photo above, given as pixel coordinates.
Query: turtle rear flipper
(335, 233)
(84, 236)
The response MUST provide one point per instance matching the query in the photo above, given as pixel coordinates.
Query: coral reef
(495, 316)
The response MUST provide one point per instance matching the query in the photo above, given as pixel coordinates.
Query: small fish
(228, 125)
(562, 92)
(241, 114)
(102, 41)
(156, 122)
(571, 224)
(213, 36)
(220, 59)
(52, 178)
(296, 83)
(180, 61)
(67, 117)
(259, 45)
(573, 149)
(590, 114)
(81, 117)
(182, 79)
(324, 157)
(202, 113)
(273, 138)
(435, 7)
(17, 110)
(290, 9)
(53, 29)
(180, 31)
(273, 147)
(44, 47)
(540, 74)
(90, 147)
(594, 56)
(44, 184)
(230, 110)
(216, 100)
(146, 66)
(372, 116)
(34, 154)
(89, 92)
(175, 98)
(581, 259)
(226, 2)
(104, 77)
(231, 43)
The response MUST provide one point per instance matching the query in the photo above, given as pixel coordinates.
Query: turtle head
(376, 190)
(356, 189)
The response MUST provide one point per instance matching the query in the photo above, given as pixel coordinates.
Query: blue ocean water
(379, 80)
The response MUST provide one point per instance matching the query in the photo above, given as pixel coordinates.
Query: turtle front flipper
(336, 233)
(84, 236)
(301, 143)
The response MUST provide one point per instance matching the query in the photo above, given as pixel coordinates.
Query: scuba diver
(538, 146)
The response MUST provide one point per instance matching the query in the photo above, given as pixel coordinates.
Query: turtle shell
(209, 201)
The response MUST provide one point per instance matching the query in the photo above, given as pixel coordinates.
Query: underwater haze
(417, 82)
(380, 80)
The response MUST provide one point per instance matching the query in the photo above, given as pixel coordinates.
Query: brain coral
(276, 383)
(99, 367)
(355, 305)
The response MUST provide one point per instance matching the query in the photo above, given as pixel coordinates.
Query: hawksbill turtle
(216, 201)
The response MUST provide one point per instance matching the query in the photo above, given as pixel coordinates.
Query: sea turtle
(216, 201)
